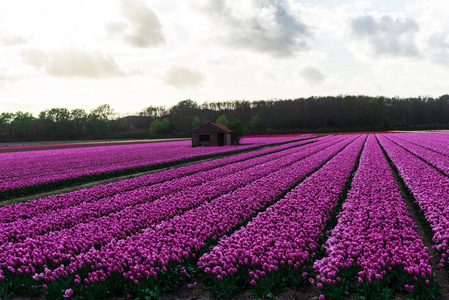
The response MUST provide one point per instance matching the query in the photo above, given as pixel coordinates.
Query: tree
(79, 119)
(183, 113)
(103, 112)
(155, 127)
(56, 123)
(196, 123)
(165, 127)
(6, 119)
(255, 123)
(99, 119)
(223, 120)
(22, 125)
(348, 106)
(239, 130)
(154, 111)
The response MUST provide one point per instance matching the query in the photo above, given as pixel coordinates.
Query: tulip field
(336, 214)
(24, 172)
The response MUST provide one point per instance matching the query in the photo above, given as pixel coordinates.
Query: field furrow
(149, 253)
(374, 250)
(438, 160)
(429, 187)
(60, 201)
(88, 211)
(277, 247)
(24, 172)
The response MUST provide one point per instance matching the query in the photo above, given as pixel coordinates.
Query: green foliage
(313, 114)
(155, 126)
(164, 127)
(222, 120)
(196, 123)
(183, 112)
(5, 122)
(99, 119)
(57, 122)
(239, 130)
(392, 284)
(22, 124)
(103, 113)
(255, 123)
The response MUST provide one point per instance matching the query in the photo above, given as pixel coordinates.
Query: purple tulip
(375, 231)
(68, 293)
(34, 168)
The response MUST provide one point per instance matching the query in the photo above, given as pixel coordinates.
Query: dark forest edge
(302, 115)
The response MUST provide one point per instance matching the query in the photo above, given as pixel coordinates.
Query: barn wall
(213, 131)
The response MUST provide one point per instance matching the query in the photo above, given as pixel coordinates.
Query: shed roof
(220, 126)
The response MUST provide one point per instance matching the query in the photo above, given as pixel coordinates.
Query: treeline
(313, 114)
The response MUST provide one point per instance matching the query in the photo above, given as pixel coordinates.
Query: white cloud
(142, 27)
(224, 61)
(386, 35)
(267, 26)
(184, 77)
(433, 39)
(72, 63)
(266, 76)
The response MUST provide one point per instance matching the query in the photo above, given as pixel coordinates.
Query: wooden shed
(213, 134)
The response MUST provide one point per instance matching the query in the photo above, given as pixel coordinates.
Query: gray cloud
(269, 27)
(142, 29)
(386, 35)
(437, 46)
(72, 63)
(182, 77)
(312, 74)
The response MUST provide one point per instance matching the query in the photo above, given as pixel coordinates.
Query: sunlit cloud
(184, 77)
(72, 63)
(141, 28)
(94, 52)
(13, 41)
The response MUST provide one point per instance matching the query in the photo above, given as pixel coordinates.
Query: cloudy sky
(133, 54)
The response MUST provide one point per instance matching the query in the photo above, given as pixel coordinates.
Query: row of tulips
(433, 141)
(62, 246)
(60, 201)
(430, 189)
(436, 159)
(21, 170)
(281, 242)
(150, 254)
(87, 211)
(374, 249)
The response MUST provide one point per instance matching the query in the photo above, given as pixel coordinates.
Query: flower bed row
(276, 248)
(436, 159)
(85, 212)
(374, 250)
(138, 260)
(433, 141)
(63, 246)
(60, 201)
(430, 189)
(29, 170)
